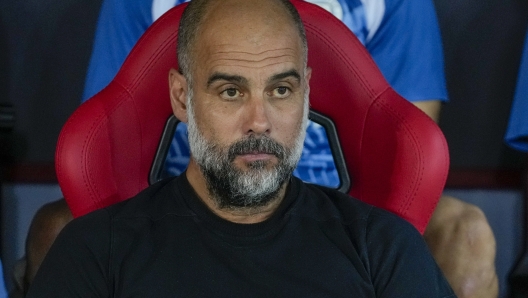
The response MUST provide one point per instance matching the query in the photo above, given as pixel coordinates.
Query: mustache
(253, 144)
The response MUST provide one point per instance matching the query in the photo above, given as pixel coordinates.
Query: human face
(249, 107)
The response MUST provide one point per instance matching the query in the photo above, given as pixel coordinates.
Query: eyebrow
(283, 75)
(218, 76)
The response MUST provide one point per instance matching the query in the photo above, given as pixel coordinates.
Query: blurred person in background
(45, 226)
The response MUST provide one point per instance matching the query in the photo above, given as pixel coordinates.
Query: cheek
(289, 124)
(215, 124)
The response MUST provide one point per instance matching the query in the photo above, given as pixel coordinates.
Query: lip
(249, 157)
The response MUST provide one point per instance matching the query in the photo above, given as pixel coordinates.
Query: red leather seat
(396, 156)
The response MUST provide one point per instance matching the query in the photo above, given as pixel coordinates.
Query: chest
(194, 261)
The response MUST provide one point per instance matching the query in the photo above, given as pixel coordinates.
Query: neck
(243, 215)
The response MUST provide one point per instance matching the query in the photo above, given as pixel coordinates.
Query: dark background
(49, 45)
(482, 47)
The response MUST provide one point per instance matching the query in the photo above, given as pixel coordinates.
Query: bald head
(240, 20)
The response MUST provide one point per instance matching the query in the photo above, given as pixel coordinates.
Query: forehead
(242, 57)
(254, 34)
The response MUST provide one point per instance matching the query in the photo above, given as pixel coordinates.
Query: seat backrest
(396, 156)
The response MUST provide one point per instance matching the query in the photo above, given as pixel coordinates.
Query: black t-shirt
(166, 243)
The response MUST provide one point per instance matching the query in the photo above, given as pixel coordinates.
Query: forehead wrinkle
(242, 52)
(242, 62)
(246, 62)
(247, 57)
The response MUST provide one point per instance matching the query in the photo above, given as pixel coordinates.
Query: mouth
(256, 150)
(256, 156)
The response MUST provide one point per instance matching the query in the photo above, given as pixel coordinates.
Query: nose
(257, 116)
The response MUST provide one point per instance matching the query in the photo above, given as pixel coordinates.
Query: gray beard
(233, 188)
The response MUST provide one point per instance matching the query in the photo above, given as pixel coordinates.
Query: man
(236, 223)
(403, 38)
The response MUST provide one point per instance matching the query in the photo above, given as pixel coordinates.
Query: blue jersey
(517, 133)
(401, 35)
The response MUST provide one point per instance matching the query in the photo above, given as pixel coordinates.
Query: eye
(231, 93)
(281, 92)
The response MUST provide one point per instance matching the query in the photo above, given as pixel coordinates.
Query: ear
(308, 75)
(178, 94)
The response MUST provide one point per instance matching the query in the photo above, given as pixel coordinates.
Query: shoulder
(366, 224)
(323, 203)
(96, 228)
(392, 251)
(363, 221)
(154, 202)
